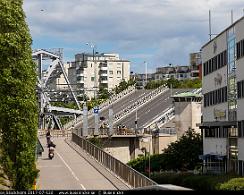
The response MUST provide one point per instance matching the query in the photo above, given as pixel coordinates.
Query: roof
(186, 94)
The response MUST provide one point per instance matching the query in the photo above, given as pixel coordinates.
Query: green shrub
(233, 184)
(189, 180)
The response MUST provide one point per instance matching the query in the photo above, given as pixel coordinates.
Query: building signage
(218, 79)
(219, 113)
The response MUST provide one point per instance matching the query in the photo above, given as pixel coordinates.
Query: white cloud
(167, 29)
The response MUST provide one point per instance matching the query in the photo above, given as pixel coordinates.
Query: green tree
(173, 82)
(180, 155)
(18, 101)
(123, 85)
(183, 153)
(103, 93)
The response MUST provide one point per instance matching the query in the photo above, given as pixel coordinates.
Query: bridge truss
(49, 68)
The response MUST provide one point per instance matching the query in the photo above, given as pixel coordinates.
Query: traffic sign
(95, 110)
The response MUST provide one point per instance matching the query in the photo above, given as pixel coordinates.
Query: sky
(148, 33)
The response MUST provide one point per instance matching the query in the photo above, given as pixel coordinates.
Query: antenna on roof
(210, 26)
(231, 16)
(209, 17)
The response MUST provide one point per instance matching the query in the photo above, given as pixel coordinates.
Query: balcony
(104, 67)
(103, 81)
(80, 79)
(81, 64)
(103, 73)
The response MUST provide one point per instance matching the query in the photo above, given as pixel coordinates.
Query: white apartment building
(92, 72)
(59, 83)
(176, 72)
(223, 110)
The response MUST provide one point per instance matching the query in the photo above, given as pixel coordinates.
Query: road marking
(48, 166)
(70, 170)
(82, 186)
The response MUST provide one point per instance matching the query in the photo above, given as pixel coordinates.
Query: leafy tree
(18, 102)
(180, 155)
(174, 83)
(103, 93)
(123, 85)
(183, 153)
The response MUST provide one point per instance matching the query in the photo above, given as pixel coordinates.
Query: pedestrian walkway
(69, 170)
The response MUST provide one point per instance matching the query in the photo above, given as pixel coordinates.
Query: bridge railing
(143, 100)
(102, 106)
(126, 173)
(55, 133)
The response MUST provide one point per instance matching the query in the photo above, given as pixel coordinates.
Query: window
(118, 71)
(103, 71)
(214, 63)
(240, 89)
(215, 97)
(241, 128)
(80, 78)
(110, 72)
(92, 79)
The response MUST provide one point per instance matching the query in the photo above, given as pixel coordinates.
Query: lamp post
(148, 140)
(93, 46)
(145, 82)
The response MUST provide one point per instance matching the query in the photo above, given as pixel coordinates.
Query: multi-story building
(92, 72)
(195, 65)
(223, 110)
(176, 72)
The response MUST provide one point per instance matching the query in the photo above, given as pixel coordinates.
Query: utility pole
(210, 33)
(145, 63)
(96, 109)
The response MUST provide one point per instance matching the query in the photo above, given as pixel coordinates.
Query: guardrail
(143, 100)
(126, 173)
(55, 133)
(102, 106)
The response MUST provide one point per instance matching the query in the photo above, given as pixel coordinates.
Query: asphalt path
(68, 170)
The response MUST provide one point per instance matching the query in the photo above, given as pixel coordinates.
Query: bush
(233, 184)
(195, 182)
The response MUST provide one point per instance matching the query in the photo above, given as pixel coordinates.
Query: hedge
(233, 184)
(189, 180)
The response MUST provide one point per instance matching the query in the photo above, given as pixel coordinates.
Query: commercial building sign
(218, 79)
(219, 113)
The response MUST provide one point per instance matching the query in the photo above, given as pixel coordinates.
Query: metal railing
(140, 102)
(126, 173)
(55, 133)
(102, 106)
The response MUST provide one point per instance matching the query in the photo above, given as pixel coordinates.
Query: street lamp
(145, 83)
(93, 46)
(148, 140)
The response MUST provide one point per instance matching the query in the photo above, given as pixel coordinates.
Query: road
(68, 170)
(117, 106)
(151, 109)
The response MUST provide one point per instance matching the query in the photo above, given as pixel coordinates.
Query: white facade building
(223, 110)
(98, 71)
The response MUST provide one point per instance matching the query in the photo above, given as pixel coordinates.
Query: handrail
(140, 102)
(102, 106)
(55, 133)
(126, 173)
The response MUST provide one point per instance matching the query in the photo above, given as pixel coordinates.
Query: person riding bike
(48, 136)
